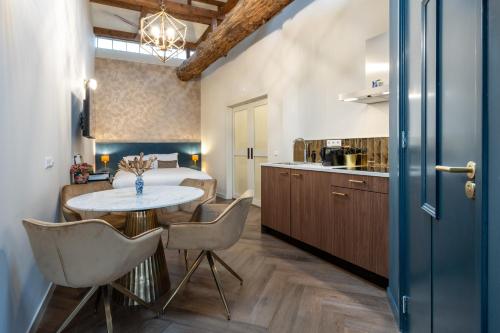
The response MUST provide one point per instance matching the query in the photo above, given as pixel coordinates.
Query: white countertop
(320, 167)
(125, 199)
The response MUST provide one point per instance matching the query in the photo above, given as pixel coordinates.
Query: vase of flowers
(137, 166)
(81, 172)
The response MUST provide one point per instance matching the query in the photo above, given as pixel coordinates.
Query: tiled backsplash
(377, 149)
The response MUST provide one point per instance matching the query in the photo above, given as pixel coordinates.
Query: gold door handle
(296, 175)
(284, 173)
(469, 169)
(339, 194)
(356, 181)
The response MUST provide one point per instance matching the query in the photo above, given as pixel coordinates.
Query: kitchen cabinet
(344, 215)
(358, 228)
(309, 196)
(275, 198)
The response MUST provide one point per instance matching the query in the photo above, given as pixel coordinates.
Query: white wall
(301, 59)
(46, 51)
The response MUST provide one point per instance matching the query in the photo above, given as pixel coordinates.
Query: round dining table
(149, 280)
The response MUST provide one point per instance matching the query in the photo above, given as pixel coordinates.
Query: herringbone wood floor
(285, 290)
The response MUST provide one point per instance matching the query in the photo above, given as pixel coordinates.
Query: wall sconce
(91, 83)
(195, 159)
(105, 160)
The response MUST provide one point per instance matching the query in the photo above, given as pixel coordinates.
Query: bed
(168, 176)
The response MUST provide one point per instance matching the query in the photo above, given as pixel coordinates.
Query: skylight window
(130, 47)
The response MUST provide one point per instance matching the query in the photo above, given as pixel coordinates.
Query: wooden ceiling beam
(212, 2)
(229, 5)
(246, 17)
(116, 34)
(178, 10)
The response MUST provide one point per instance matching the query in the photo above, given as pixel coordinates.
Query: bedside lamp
(105, 160)
(195, 158)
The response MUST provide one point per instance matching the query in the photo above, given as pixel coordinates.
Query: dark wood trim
(359, 271)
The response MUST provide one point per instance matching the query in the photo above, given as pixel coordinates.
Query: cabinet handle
(296, 175)
(339, 194)
(356, 181)
(284, 173)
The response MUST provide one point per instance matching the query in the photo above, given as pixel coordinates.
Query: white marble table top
(125, 199)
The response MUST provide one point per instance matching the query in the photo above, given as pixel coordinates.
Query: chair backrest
(231, 222)
(71, 191)
(207, 185)
(87, 253)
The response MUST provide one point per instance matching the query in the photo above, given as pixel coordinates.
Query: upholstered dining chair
(213, 231)
(186, 211)
(117, 220)
(89, 254)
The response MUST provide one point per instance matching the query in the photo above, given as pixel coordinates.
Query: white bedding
(166, 176)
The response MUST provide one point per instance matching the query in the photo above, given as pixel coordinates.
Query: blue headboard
(117, 150)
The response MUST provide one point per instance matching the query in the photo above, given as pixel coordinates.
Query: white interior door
(249, 147)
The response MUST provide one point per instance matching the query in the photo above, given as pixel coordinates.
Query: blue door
(442, 176)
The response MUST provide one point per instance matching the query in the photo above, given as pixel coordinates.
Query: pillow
(165, 157)
(167, 164)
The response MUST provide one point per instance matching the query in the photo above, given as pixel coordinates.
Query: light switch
(333, 143)
(49, 162)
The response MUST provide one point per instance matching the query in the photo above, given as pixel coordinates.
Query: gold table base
(149, 280)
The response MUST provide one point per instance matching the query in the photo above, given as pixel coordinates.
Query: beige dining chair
(211, 232)
(117, 220)
(185, 211)
(89, 254)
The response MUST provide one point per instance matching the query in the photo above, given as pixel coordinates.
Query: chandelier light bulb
(170, 34)
(155, 31)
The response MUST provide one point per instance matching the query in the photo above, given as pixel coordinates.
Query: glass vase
(139, 185)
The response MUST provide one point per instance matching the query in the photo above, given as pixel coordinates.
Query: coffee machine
(332, 156)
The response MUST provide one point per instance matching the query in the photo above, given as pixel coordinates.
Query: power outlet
(49, 162)
(333, 143)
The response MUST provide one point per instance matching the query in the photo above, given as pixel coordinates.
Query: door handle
(339, 194)
(284, 173)
(356, 181)
(248, 153)
(296, 175)
(469, 169)
(251, 153)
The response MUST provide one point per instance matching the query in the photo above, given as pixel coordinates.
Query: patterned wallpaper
(137, 102)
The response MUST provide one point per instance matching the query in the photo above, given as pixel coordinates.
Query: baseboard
(394, 307)
(37, 318)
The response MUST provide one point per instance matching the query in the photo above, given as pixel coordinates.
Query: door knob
(469, 169)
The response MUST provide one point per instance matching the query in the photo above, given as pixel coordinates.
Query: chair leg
(97, 300)
(218, 282)
(84, 301)
(186, 260)
(107, 307)
(185, 279)
(226, 266)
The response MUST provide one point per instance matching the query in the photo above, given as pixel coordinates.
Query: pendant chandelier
(163, 34)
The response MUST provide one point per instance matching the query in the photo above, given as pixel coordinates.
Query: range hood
(376, 73)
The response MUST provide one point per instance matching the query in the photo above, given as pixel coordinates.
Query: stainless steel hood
(376, 71)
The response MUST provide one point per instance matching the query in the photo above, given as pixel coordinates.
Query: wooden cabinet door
(370, 222)
(275, 185)
(339, 237)
(309, 205)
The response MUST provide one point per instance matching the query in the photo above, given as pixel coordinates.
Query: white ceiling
(126, 20)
